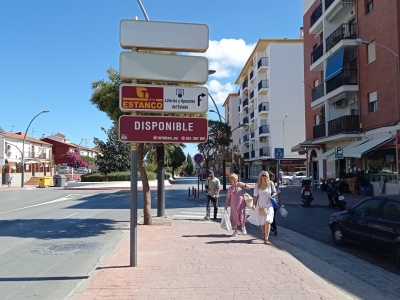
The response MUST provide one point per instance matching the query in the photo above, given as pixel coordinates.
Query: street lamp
(23, 146)
(283, 134)
(241, 125)
(211, 110)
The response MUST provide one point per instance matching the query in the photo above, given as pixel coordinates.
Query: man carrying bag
(212, 187)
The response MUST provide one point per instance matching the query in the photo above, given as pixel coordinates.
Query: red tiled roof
(20, 136)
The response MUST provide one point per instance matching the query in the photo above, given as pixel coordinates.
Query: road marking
(35, 205)
(66, 217)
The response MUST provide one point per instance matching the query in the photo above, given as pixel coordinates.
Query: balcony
(246, 155)
(345, 77)
(245, 103)
(263, 64)
(317, 13)
(246, 138)
(264, 151)
(252, 115)
(343, 32)
(339, 8)
(344, 124)
(239, 109)
(263, 131)
(318, 92)
(263, 108)
(251, 77)
(317, 53)
(245, 86)
(263, 86)
(245, 120)
(252, 153)
(251, 95)
(252, 135)
(319, 131)
(238, 92)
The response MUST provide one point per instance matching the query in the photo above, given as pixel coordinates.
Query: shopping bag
(283, 211)
(274, 203)
(249, 200)
(226, 222)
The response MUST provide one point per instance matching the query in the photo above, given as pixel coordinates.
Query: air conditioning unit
(342, 103)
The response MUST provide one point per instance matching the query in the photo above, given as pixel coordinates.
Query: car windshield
(390, 211)
(367, 209)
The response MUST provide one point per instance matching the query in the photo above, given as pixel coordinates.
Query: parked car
(373, 223)
(298, 177)
(82, 170)
(64, 170)
(287, 179)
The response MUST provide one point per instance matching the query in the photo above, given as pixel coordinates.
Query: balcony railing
(239, 108)
(345, 77)
(344, 124)
(264, 151)
(238, 92)
(262, 62)
(263, 84)
(245, 102)
(319, 131)
(245, 84)
(264, 106)
(251, 94)
(317, 13)
(252, 153)
(317, 53)
(245, 120)
(245, 138)
(246, 155)
(263, 129)
(251, 75)
(318, 92)
(344, 31)
(251, 115)
(252, 135)
(30, 154)
(328, 3)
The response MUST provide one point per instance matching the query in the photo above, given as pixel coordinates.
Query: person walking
(279, 200)
(264, 191)
(280, 177)
(9, 179)
(235, 200)
(212, 186)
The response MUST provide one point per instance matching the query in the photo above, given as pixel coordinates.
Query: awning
(361, 149)
(335, 65)
(13, 160)
(32, 162)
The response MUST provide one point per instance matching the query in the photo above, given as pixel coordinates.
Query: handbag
(283, 211)
(262, 211)
(248, 199)
(275, 204)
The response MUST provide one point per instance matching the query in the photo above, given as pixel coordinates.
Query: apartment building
(271, 106)
(352, 103)
(232, 118)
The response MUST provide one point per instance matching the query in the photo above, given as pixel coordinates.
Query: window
(371, 52)
(369, 6)
(390, 211)
(373, 102)
(367, 209)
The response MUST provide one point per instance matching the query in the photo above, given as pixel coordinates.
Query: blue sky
(51, 51)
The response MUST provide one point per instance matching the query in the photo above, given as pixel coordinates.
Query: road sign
(186, 37)
(163, 67)
(198, 158)
(339, 152)
(163, 98)
(279, 153)
(160, 129)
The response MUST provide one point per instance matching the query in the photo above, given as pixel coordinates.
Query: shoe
(275, 232)
(267, 242)
(206, 218)
(244, 230)
(234, 233)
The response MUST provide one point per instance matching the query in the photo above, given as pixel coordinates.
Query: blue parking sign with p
(338, 152)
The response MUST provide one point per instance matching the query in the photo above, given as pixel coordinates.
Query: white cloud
(219, 91)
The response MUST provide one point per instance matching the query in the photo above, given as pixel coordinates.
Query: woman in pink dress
(236, 200)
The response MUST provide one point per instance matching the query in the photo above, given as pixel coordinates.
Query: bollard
(195, 193)
(189, 191)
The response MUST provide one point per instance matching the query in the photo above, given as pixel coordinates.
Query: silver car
(82, 170)
(64, 170)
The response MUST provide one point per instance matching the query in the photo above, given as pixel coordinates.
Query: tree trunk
(147, 220)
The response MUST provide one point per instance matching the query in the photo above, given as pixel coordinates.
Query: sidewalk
(109, 185)
(199, 260)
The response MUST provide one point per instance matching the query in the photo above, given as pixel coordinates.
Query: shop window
(369, 6)
(371, 52)
(372, 102)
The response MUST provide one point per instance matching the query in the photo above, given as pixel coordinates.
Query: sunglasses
(263, 175)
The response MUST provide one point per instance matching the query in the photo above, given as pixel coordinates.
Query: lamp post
(283, 132)
(223, 149)
(360, 41)
(23, 146)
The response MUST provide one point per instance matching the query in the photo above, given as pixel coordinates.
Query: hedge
(115, 176)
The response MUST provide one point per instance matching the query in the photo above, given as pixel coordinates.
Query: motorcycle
(306, 194)
(323, 185)
(335, 197)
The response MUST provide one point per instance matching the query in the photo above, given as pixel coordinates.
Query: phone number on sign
(193, 138)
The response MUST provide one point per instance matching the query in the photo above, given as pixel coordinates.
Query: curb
(108, 188)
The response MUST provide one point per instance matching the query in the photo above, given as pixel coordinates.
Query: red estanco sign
(142, 98)
(160, 129)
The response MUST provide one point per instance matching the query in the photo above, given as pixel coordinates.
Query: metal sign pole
(133, 212)
(160, 181)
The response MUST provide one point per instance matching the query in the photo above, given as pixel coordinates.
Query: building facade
(271, 106)
(232, 118)
(352, 103)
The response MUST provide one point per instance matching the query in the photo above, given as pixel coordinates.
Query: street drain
(64, 248)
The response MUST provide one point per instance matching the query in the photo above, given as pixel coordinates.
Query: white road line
(66, 217)
(188, 216)
(191, 212)
(40, 204)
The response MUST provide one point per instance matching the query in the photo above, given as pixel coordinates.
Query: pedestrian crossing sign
(279, 153)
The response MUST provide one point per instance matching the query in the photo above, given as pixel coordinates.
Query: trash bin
(59, 180)
(44, 181)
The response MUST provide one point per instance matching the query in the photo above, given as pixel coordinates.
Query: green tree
(114, 155)
(89, 160)
(176, 158)
(189, 167)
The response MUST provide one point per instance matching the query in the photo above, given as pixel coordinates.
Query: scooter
(335, 197)
(306, 194)
(323, 185)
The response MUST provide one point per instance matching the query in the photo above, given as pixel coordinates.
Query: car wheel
(398, 256)
(338, 236)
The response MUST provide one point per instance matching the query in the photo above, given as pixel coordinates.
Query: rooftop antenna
(33, 131)
(86, 141)
(12, 127)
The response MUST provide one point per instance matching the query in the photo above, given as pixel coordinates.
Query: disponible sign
(136, 97)
(159, 129)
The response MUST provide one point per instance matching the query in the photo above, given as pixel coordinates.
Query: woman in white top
(264, 190)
